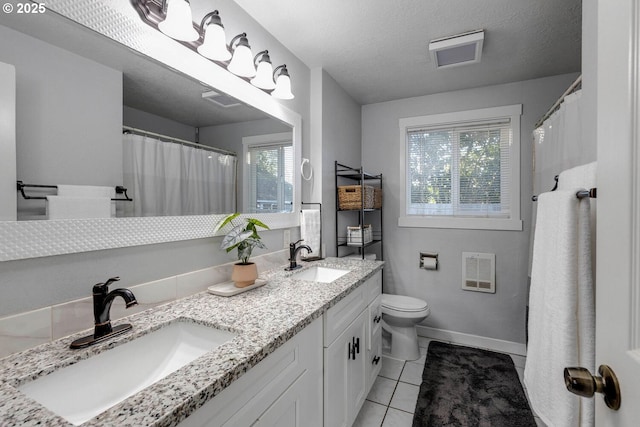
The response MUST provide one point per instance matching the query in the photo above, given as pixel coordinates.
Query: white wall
(68, 126)
(500, 315)
(8, 207)
(150, 122)
(589, 104)
(229, 137)
(336, 136)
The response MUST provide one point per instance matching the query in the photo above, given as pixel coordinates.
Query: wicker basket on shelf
(377, 198)
(350, 197)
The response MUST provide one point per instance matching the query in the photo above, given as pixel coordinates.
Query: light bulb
(215, 44)
(283, 84)
(178, 23)
(264, 74)
(242, 60)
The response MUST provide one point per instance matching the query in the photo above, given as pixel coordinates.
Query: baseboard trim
(472, 340)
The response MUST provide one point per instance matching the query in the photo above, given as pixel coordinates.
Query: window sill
(418, 221)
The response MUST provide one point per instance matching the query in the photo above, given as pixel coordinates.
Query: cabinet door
(374, 361)
(374, 342)
(297, 406)
(265, 388)
(375, 320)
(345, 374)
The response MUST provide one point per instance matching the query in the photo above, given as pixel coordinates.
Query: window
(269, 173)
(461, 170)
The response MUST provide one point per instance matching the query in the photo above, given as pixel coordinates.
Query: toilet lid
(403, 303)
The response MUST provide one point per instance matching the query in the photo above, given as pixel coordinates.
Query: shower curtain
(166, 178)
(559, 144)
(560, 148)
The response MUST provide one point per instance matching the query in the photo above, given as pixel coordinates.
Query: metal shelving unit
(356, 217)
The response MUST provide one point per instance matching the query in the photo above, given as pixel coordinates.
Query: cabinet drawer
(375, 320)
(338, 317)
(373, 287)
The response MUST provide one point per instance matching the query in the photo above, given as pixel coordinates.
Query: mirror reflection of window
(270, 177)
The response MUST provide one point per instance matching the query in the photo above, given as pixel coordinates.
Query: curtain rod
(178, 140)
(577, 84)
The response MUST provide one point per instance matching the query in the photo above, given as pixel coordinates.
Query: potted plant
(243, 237)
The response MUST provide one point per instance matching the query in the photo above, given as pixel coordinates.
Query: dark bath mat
(463, 386)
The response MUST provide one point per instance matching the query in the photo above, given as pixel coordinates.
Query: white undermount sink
(320, 274)
(81, 391)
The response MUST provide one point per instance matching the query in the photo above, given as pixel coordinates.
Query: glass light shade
(283, 87)
(242, 62)
(178, 23)
(215, 44)
(264, 76)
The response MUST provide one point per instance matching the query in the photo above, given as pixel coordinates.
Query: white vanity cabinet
(319, 377)
(283, 390)
(352, 345)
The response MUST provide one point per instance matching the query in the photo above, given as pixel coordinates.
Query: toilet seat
(400, 315)
(403, 303)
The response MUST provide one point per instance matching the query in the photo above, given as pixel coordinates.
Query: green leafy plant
(244, 236)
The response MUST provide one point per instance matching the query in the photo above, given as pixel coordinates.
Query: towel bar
(21, 186)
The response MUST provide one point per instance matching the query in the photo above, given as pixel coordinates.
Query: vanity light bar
(208, 40)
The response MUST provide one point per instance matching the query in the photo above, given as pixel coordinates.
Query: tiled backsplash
(26, 330)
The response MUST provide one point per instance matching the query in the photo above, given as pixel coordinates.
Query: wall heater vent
(479, 272)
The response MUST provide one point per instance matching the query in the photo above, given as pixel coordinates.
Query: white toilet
(400, 314)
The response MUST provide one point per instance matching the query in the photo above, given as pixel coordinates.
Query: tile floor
(393, 396)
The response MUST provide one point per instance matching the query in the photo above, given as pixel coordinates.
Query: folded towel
(583, 176)
(86, 191)
(61, 207)
(89, 191)
(310, 228)
(561, 311)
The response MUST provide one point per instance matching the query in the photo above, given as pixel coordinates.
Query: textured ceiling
(377, 50)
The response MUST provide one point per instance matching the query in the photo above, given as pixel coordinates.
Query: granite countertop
(263, 319)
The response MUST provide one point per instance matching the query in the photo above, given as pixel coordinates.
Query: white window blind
(271, 177)
(460, 170)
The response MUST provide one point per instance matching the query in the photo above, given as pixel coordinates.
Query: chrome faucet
(102, 300)
(293, 253)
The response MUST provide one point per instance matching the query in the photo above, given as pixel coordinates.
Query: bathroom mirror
(171, 92)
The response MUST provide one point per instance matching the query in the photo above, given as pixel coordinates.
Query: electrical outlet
(286, 239)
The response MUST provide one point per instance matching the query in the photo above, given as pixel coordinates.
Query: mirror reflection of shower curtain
(167, 178)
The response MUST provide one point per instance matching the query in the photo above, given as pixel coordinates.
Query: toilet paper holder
(429, 260)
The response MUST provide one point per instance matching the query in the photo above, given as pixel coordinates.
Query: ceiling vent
(220, 99)
(461, 49)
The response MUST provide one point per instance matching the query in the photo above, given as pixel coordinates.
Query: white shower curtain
(560, 145)
(561, 148)
(165, 178)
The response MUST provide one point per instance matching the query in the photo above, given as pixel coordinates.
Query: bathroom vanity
(295, 352)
